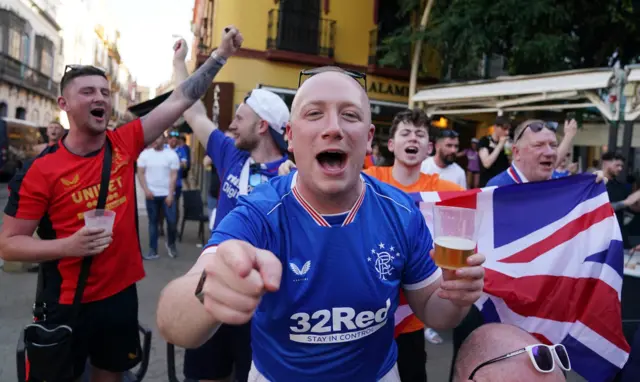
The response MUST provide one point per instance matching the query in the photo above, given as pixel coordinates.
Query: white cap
(271, 108)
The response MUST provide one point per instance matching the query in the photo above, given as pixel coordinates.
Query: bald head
(340, 82)
(494, 340)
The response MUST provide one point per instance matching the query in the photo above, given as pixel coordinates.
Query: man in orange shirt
(409, 143)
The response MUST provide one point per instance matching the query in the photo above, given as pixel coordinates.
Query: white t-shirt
(158, 165)
(452, 173)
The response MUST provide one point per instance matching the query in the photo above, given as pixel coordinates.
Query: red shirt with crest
(57, 187)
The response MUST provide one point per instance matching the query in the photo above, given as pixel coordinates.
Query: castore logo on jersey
(355, 326)
(300, 271)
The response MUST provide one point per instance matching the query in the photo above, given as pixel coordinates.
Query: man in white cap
(252, 156)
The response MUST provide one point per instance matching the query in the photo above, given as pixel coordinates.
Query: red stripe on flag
(463, 199)
(542, 338)
(564, 234)
(564, 299)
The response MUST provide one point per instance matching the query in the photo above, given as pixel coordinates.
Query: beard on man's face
(448, 159)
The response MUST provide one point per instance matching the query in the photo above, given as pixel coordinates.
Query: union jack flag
(554, 265)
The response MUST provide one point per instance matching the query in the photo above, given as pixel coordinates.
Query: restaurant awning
(575, 89)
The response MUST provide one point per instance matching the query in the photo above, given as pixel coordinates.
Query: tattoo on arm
(197, 84)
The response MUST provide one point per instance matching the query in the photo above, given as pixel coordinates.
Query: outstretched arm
(196, 115)
(570, 131)
(189, 91)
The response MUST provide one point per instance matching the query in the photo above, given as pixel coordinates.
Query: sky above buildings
(146, 35)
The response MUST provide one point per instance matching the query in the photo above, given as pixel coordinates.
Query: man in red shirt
(52, 193)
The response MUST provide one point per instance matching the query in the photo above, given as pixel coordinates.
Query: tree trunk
(417, 53)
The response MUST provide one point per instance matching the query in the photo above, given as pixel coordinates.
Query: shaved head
(307, 89)
(494, 340)
(330, 132)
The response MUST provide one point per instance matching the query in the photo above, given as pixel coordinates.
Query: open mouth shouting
(411, 150)
(547, 165)
(98, 113)
(332, 162)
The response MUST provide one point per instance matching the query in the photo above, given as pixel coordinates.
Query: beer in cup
(100, 219)
(455, 235)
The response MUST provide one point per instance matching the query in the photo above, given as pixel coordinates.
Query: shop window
(21, 113)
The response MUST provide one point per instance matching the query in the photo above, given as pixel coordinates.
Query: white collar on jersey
(315, 215)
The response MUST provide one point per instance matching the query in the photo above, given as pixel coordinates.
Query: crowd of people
(285, 289)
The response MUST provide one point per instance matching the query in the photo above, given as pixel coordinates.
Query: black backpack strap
(86, 262)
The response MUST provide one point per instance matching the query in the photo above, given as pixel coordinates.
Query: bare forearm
(564, 147)
(181, 99)
(31, 250)
(196, 85)
(490, 159)
(196, 115)
(442, 314)
(143, 182)
(181, 318)
(173, 179)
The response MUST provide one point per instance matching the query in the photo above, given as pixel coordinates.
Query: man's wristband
(219, 59)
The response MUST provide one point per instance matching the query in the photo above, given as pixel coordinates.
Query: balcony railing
(18, 73)
(301, 32)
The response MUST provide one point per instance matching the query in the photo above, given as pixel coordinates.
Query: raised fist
(237, 276)
(231, 41)
(180, 50)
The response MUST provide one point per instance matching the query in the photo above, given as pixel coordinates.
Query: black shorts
(106, 333)
(412, 356)
(230, 347)
(185, 173)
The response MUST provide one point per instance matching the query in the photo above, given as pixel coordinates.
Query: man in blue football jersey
(536, 152)
(248, 159)
(315, 259)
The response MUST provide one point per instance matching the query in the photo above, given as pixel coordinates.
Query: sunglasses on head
(358, 76)
(537, 126)
(68, 68)
(448, 133)
(543, 358)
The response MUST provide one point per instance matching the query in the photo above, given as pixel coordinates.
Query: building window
(15, 43)
(21, 113)
(3, 109)
(44, 55)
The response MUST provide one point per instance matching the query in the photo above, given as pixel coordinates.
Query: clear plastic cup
(100, 219)
(455, 235)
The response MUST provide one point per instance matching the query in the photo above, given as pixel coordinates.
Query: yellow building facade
(283, 37)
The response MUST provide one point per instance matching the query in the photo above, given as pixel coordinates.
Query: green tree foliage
(534, 36)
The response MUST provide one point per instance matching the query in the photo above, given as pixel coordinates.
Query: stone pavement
(17, 292)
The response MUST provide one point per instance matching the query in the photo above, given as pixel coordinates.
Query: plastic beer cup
(455, 235)
(100, 219)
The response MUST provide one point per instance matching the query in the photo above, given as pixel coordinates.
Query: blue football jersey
(229, 162)
(332, 318)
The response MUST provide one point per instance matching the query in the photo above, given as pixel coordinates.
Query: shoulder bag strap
(86, 262)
